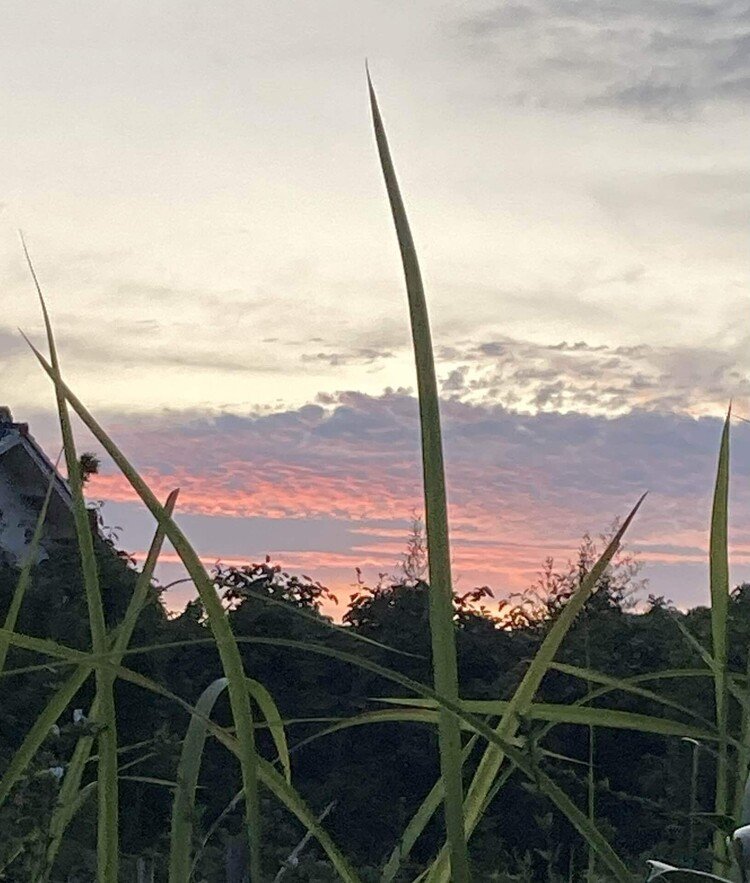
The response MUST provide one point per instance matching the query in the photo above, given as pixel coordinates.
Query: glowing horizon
(202, 199)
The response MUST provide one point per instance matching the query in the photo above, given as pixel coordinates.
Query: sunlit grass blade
(546, 711)
(606, 854)
(225, 642)
(490, 764)
(124, 631)
(719, 579)
(188, 769)
(120, 641)
(436, 513)
(736, 683)
(666, 874)
(743, 760)
(608, 857)
(108, 825)
(581, 715)
(183, 810)
(277, 783)
(270, 712)
(616, 869)
(626, 686)
(417, 823)
(695, 644)
(273, 780)
(24, 578)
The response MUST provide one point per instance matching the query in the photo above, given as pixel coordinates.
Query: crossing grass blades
(489, 730)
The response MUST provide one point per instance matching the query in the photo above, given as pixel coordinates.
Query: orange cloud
(521, 487)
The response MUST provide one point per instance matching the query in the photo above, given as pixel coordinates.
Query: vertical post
(235, 860)
(695, 759)
(145, 870)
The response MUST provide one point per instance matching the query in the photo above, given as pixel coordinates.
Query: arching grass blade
(490, 764)
(436, 513)
(225, 641)
(719, 580)
(108, 833)
(121, 639)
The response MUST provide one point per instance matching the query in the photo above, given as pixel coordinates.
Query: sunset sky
(199, 188)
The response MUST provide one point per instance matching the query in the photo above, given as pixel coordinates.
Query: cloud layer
(601, 379)
(653, 57)
(330, 487)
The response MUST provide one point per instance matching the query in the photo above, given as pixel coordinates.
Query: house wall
(17, 521)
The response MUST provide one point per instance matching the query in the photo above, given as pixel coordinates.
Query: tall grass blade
(273, 780)
(667, 874)
(579, 715)
(598, 843)
(719, 579)
(65, 808)
(436, 514)
(278, 785)
(225, 642)
(626, 685)
(124, 631)
(629, 685)
(188, 769)
(490, 764)
(743, 759)
(417, 824)
(107, 837)
(270, 712)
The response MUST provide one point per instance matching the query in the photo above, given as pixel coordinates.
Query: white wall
(17, 522)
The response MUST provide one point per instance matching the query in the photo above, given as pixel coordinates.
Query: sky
(199, 189)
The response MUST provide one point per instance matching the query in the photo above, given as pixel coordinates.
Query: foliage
(377, 772)
(108, 703)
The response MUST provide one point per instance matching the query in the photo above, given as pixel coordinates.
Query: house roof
(16, 437)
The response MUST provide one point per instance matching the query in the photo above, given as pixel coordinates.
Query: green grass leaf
(719, 579)
(222, 632)
(120, 641)
(580, 715)
(108, 824)
(436, 514)
(491, 762)
(188, 769)
(270, 713)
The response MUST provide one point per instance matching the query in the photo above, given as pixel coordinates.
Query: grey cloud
(354, 355)
(11, 344)
(524, 375)
(532, 470)
(454, 382)
(134, 344)
(658, 57)
(521, 486)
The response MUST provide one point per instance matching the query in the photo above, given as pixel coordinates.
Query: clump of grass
(463, 726)
(436, 515)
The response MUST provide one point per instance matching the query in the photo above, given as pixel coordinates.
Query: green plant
(493, 739)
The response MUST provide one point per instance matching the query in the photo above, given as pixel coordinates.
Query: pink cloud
(521, 487)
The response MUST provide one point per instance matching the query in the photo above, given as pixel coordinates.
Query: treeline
(372, 778)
